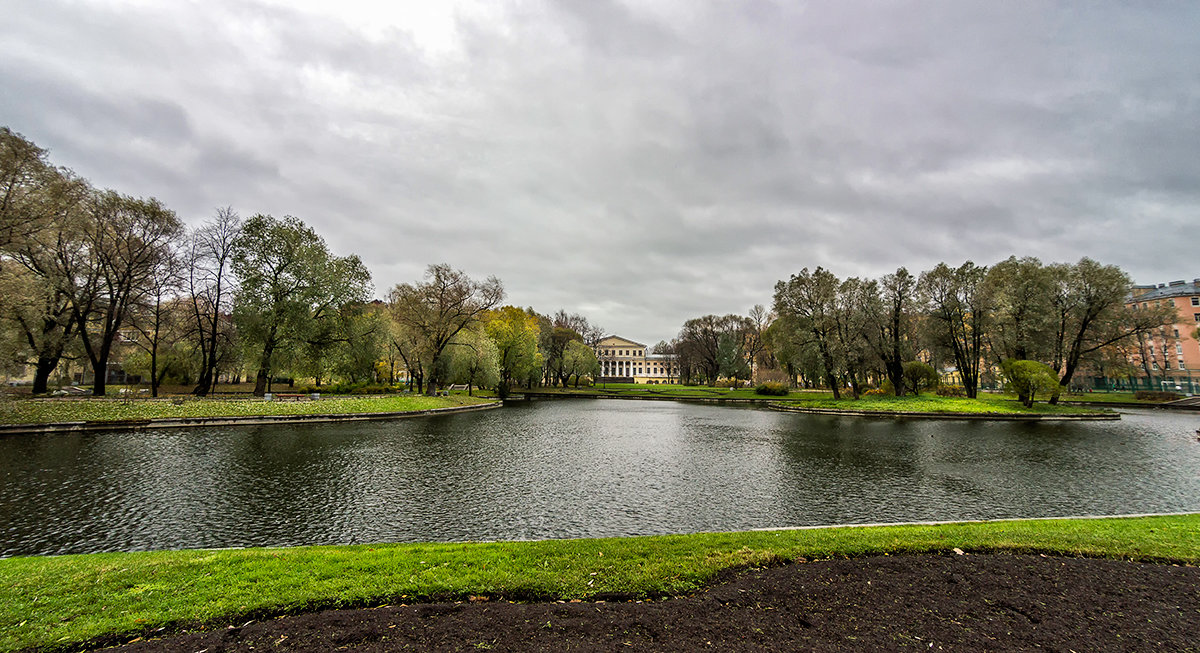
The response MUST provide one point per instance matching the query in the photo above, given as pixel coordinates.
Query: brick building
(1170, 358)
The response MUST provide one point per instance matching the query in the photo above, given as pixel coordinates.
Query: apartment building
(1170, 358)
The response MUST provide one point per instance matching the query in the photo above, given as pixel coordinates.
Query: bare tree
(156, 318)
(210, 290)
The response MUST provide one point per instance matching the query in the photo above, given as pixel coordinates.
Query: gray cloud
(641, 163)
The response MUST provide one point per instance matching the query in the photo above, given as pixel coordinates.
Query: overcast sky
(639, 162)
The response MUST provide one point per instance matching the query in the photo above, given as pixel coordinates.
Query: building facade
(1170, 358)
(625, 361)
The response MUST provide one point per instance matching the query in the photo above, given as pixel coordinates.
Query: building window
(1196, 301)
(1179, 348)
(1197, 316)
(1181, 364)
(1154, 365)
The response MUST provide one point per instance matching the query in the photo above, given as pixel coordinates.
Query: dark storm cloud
(643, 163)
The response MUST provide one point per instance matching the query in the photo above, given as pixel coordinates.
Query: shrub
(771, 388)
(919, 376)
(951, 391)
(879, 392)
(1027, 378)
(887, 387)
(727, 383)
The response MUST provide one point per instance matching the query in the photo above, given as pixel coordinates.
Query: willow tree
(959, 306)
(515, 335)
(438, 309)
(809, 300)
(126, 239)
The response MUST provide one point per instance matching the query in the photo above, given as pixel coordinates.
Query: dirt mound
(954, 602)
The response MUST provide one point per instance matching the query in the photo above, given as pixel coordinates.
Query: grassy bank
(41, 411)
(1110, 398)
(66, 600)
(986, 403)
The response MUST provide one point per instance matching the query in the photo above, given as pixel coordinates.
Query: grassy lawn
(926, 403)
(1108, 397)
(25, 411)
(66, 600)
(985, 403)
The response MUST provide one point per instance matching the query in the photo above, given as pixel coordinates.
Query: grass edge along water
(65, 602)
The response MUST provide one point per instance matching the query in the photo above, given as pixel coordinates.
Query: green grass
(1108, 397)
(26, 411)
(985, 403)
(63, 601)
(927, 403)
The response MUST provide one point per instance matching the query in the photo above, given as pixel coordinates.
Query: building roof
(1163, 290)
(624, 340)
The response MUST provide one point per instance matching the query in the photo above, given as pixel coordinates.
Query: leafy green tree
(959, 306)
(42, 243)
(919, 376)
(363, 332)
(1022, 314)
(579, 361)
(1027, 378)
(290, 289)
(436, 310)
(731, 359)
(474, 360)
(515, 335)
(709, 344)
(1090, 313)
(560, 336)
(888, 307)
(32, 190)
(809, 300)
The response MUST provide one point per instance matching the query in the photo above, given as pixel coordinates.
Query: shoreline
(774, 403)
(71, 602)
(1007, 417)
(232, 420)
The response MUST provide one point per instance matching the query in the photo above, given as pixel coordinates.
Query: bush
(727, 383)
(919, 376)
(771, 388)
(1155, 395)
(1027, 378)
(879, 392)
(887, 387)
(951, 391)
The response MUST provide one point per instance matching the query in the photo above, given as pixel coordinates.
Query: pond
(574, 468)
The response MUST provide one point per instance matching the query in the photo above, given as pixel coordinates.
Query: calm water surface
(574, 468)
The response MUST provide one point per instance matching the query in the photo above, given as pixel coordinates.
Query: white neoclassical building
(626, 361)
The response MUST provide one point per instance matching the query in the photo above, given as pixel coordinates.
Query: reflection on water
(574, 469)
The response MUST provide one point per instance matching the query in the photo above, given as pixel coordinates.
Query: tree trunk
(41, 376)
(154, 368)
(263, 378)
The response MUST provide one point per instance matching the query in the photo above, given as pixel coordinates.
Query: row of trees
(973, 319)
(88, 275)
(92, 275)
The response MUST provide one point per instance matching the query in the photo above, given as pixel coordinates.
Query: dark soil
(952, 602)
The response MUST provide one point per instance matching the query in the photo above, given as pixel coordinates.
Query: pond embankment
(64, 416)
